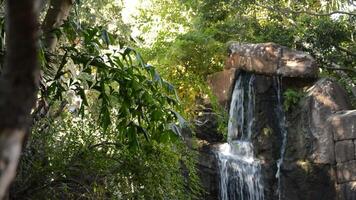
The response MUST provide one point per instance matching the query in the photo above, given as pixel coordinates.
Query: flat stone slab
(344, 151)
(346, 172)
(271, 59)
(344, 125)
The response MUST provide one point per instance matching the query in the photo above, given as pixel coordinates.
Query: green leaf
(105, 120)
(59, 72)
(145, 133)
(105, 37)
(83, 96)
(156, 115)
(182, 122)
(177, 130)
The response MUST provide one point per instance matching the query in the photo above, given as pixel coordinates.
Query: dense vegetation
(116, 96)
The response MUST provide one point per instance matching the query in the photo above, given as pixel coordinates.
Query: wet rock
(271, 59)
(208, 172)
(206, 126)
(267, 138)
(344, 125)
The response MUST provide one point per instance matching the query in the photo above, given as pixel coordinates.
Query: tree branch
(345, 50)
(336, 67)
(289, 11)
(340, 69)
(57, 13)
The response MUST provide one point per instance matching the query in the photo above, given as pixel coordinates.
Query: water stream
(240, 171)
(283, 131)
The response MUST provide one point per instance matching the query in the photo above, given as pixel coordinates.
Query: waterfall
(240, 171)
(283, 131)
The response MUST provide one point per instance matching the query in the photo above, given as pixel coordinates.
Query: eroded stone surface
(271, 59)
(346, 172)
(344, 151)
(344, 125)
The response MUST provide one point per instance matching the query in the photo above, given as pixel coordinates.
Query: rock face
(312, 149)
(320, 159)
(347, 191)
(323, 99)
(344, 151)
(344, 125)
(222, 84)
(208, 172)
(271, 59)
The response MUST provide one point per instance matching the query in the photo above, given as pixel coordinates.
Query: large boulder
(308, 171)
(222, 84)
(271, 59)
(324, 99)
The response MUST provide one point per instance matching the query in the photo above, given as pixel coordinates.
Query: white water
(240, 172)
(282, 127)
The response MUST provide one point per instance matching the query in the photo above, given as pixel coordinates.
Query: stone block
(222, 84)
(346, 172)
(271, 59)
(344, 125)
(348, 191)
(344, 151)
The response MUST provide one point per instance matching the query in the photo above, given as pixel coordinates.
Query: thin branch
(340, 69)
(337, 67)
(104, 144)
(345, 50)
(323, 14)
(289, 11)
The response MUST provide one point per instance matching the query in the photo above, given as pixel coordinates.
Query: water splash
(240, 172)
(283, 131)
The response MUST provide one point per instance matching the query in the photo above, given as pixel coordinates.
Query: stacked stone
(344, 130)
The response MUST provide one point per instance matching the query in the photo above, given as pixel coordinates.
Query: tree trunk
(18, 85)
(57, 13)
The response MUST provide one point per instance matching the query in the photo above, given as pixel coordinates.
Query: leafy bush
(111, 130)
(73, 158)
(291, 98)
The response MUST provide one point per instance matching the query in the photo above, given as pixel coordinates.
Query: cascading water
(283, 131)
(240, 172)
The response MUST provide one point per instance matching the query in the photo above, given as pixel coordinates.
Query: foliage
(291, 98)
(112, 130)
(305, 26)
(73, 158)
(131, 95)
(107, 13)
